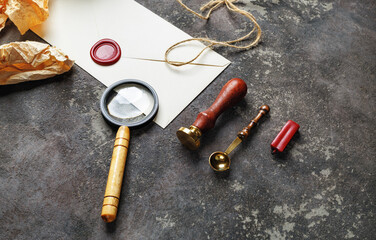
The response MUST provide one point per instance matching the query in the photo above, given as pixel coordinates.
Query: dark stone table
(315, 65)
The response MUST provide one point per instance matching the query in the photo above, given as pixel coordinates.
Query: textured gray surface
(316, 66)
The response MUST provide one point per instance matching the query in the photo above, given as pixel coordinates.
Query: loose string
(177, 62)
(210, 7)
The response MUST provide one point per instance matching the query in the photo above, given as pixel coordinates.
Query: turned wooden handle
(115, 175)
(243, 134)
(232, 92)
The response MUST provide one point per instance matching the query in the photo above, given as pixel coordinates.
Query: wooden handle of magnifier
(115, 176)
(232, 92)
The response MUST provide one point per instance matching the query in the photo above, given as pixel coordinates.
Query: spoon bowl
(219, 161)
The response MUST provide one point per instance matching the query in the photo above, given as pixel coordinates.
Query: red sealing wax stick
(284, 136)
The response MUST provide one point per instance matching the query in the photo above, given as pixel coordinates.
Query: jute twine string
(210, 7)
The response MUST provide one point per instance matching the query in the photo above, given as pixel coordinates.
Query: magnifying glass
(128, 103)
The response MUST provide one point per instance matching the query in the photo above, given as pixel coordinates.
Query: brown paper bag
(23, 13)
(28, 61)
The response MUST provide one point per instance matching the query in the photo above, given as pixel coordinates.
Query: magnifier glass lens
(130, 103)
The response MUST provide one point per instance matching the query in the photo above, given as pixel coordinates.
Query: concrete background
(315, 65)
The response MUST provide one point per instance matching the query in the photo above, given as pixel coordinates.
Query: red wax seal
(284, 136)
(105, 52)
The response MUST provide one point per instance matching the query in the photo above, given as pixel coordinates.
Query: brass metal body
(220, 161)
(189, 137)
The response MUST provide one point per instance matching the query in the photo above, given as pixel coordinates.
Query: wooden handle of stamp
(232, 92)
(115, 175)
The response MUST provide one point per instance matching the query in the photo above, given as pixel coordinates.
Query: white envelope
(76, 25)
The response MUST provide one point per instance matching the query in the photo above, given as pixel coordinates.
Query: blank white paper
(75, 26)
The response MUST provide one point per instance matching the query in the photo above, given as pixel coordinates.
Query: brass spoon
(220, 161)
